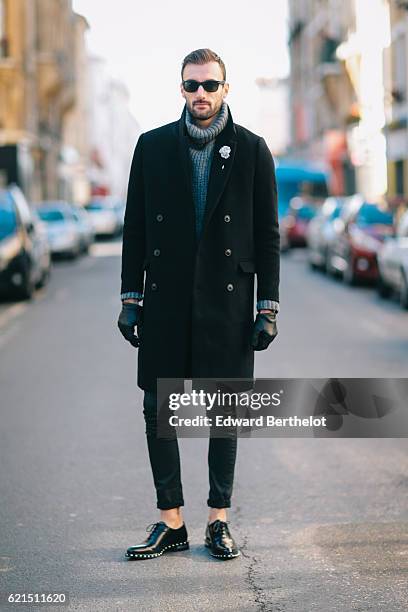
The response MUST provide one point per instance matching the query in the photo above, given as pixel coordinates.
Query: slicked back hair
(203, 56)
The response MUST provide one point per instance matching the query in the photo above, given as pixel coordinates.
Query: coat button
(159, 217)
(227, 218)
(230, 287)
(228, 252)
(156, 252)
(153, 286)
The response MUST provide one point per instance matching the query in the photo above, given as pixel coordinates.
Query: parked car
(62, 228)
(24, 252)
(361, 228)
(120, 209)
(42, 249)
(321, 232)
(85, 227)
(294, 224)
(393, 264)
(106, 216)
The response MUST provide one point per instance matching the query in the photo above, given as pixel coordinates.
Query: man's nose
(200, 90)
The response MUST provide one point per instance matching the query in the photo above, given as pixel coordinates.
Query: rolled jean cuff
(171, 498)
(220, 503)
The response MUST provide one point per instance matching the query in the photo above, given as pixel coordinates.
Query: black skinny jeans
(165, 463)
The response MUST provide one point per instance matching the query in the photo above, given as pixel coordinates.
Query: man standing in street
(201, 219)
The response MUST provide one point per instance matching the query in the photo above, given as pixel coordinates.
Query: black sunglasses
(190, 85)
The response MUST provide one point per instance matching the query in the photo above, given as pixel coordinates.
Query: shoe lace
(221, 526)
(152, 527)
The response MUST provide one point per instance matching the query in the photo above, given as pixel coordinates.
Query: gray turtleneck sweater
(201, 150)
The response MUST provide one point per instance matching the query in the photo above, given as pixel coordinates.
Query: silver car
(62, 228)
(85, 227)
(24, 250)
(106, 220)
(321, 232)
(393, 263)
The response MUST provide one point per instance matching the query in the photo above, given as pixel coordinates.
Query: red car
(295, 223)
(361, 230)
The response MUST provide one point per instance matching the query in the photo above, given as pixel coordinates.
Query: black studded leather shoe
(162, 539)
(220, 541)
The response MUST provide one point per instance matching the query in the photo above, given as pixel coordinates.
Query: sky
(144, 44)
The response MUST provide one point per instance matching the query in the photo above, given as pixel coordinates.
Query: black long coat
(199, 295)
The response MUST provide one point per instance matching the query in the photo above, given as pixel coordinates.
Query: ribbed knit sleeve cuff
(267, 304)
(131, 294)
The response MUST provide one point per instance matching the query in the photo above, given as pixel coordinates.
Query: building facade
(337, 90)
(40, 76)
(396, 100)
(75, 150)
(113, 131)
(18, 95)
(273, 113)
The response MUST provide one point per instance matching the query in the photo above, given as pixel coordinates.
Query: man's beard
(205, 114)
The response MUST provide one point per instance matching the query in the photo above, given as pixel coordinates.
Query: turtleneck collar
(201, 136)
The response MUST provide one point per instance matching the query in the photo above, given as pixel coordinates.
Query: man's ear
(226, 90)
(182, 90)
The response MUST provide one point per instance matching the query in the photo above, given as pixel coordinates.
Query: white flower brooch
(225, 152)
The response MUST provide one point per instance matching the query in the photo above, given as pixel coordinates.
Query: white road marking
(106, 249)
(11, 313)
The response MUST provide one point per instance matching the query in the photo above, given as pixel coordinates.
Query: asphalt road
(323, 523)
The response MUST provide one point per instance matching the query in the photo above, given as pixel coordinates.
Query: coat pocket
(247, 266)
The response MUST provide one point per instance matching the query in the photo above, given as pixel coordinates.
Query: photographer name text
(259, 421)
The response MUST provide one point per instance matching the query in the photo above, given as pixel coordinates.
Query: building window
(3, 30)
(328, 50)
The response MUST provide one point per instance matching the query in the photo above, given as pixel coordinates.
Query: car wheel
(327, 265)
(45, 277)
(75, 252)
(329, 269)
(312, 264)
(349, 275)
(404, 291)
(27, 288)
(383, 288)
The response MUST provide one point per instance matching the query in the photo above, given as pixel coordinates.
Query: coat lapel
(185, 163)
(220, 168)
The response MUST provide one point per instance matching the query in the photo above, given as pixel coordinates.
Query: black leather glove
(131, 315)
(264, 330)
